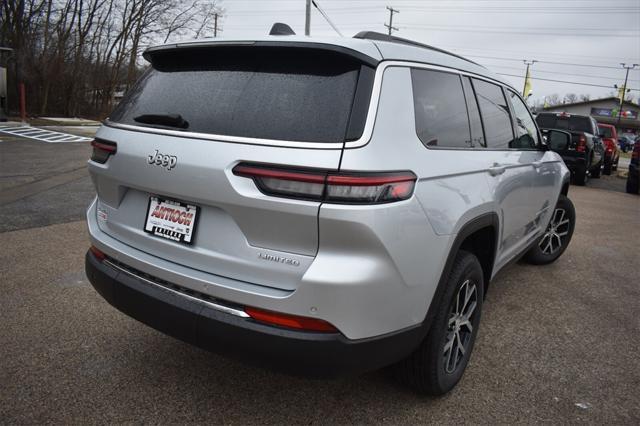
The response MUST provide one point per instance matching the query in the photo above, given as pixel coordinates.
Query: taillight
(97, 253)
(331, 187)
(290, 321)
(102, 150)
(582, 144)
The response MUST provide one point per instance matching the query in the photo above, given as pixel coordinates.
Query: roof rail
(373, 35)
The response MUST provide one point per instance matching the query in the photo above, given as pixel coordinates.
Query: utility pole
(391, 12)
(527, 77)
(307, 19)
(624, 89)
(215, 24)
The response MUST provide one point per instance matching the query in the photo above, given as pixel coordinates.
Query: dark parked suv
(585, 154)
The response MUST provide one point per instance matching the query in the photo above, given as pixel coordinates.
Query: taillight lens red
(102, 150)
(319, 185)
(97, 253)
(290, 321)
(582, 144)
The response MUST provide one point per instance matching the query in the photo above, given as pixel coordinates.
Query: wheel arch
(478, 236)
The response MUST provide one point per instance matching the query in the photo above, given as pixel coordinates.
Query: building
(605, 110)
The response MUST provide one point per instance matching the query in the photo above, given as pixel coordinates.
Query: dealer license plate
(172, 220)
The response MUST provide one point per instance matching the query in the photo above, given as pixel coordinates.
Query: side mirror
(556, 140)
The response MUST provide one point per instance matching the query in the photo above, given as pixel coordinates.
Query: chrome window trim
(362, 141)
(212, 305)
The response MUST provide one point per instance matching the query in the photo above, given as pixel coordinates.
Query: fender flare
(483, 221)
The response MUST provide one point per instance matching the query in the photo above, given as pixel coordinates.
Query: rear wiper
(169, 120)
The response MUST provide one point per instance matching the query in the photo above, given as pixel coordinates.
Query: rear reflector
(290, 321)
(102, 150)
(320, 185)
(97, 253)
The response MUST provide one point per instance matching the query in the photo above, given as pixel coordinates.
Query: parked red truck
(611, 149)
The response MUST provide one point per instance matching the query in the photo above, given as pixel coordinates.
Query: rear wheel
(595, 172)
(437, 365)
(580, 176)
(633, 185)
(557, 236)
(608, 166)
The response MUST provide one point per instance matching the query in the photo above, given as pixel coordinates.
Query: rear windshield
(573, 123)
(291, 94)
(606, 131)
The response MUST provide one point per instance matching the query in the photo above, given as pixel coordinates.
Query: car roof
(376, 49)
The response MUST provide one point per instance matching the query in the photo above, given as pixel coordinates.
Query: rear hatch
(608, 137)
(577, 125)
(197, 113)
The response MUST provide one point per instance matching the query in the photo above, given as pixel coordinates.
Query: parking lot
(557, 343)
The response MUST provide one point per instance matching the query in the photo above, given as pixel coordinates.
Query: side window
(495, 114)
(526, 132)
(475, 124)
(440, 109)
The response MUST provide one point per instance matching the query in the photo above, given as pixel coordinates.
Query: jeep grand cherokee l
(321, 206)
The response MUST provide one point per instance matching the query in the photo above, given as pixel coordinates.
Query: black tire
(633, 186)
(595, 172)
(580, 176)
(428, 370)
(557, 231)
(608, 165)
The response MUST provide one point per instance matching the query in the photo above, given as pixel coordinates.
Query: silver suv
(321, 206)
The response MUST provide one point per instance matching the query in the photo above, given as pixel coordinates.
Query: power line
(324, 15)
(564, 55)
(490, 30)
(557, 72)
(563, 81)
(546, 62)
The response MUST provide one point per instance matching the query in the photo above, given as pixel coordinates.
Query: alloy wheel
(460, 326)
(554, 236)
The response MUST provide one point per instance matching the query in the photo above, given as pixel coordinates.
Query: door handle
(537, 164)
(496, 169)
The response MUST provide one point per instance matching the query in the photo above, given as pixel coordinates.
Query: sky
(589, 37)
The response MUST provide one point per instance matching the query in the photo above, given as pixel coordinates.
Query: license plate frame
(171, 220)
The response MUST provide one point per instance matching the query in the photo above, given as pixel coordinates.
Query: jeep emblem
(164, 160)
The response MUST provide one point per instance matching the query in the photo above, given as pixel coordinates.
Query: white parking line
(42, 135)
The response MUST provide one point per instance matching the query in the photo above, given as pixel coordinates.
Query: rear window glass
(606, 131)
(289, 94)
(573, 123)
(440, 109)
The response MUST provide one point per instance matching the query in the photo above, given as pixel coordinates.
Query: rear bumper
(195, 322)
(574, 163)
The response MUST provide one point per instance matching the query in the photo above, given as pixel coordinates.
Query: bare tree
(73, 55)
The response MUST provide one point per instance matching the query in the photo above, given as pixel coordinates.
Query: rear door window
(440, 109)
(495, 114)
(289, 94)
(475, 122)
(526, 131)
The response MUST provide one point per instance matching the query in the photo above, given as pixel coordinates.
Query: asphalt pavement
(557, 343)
